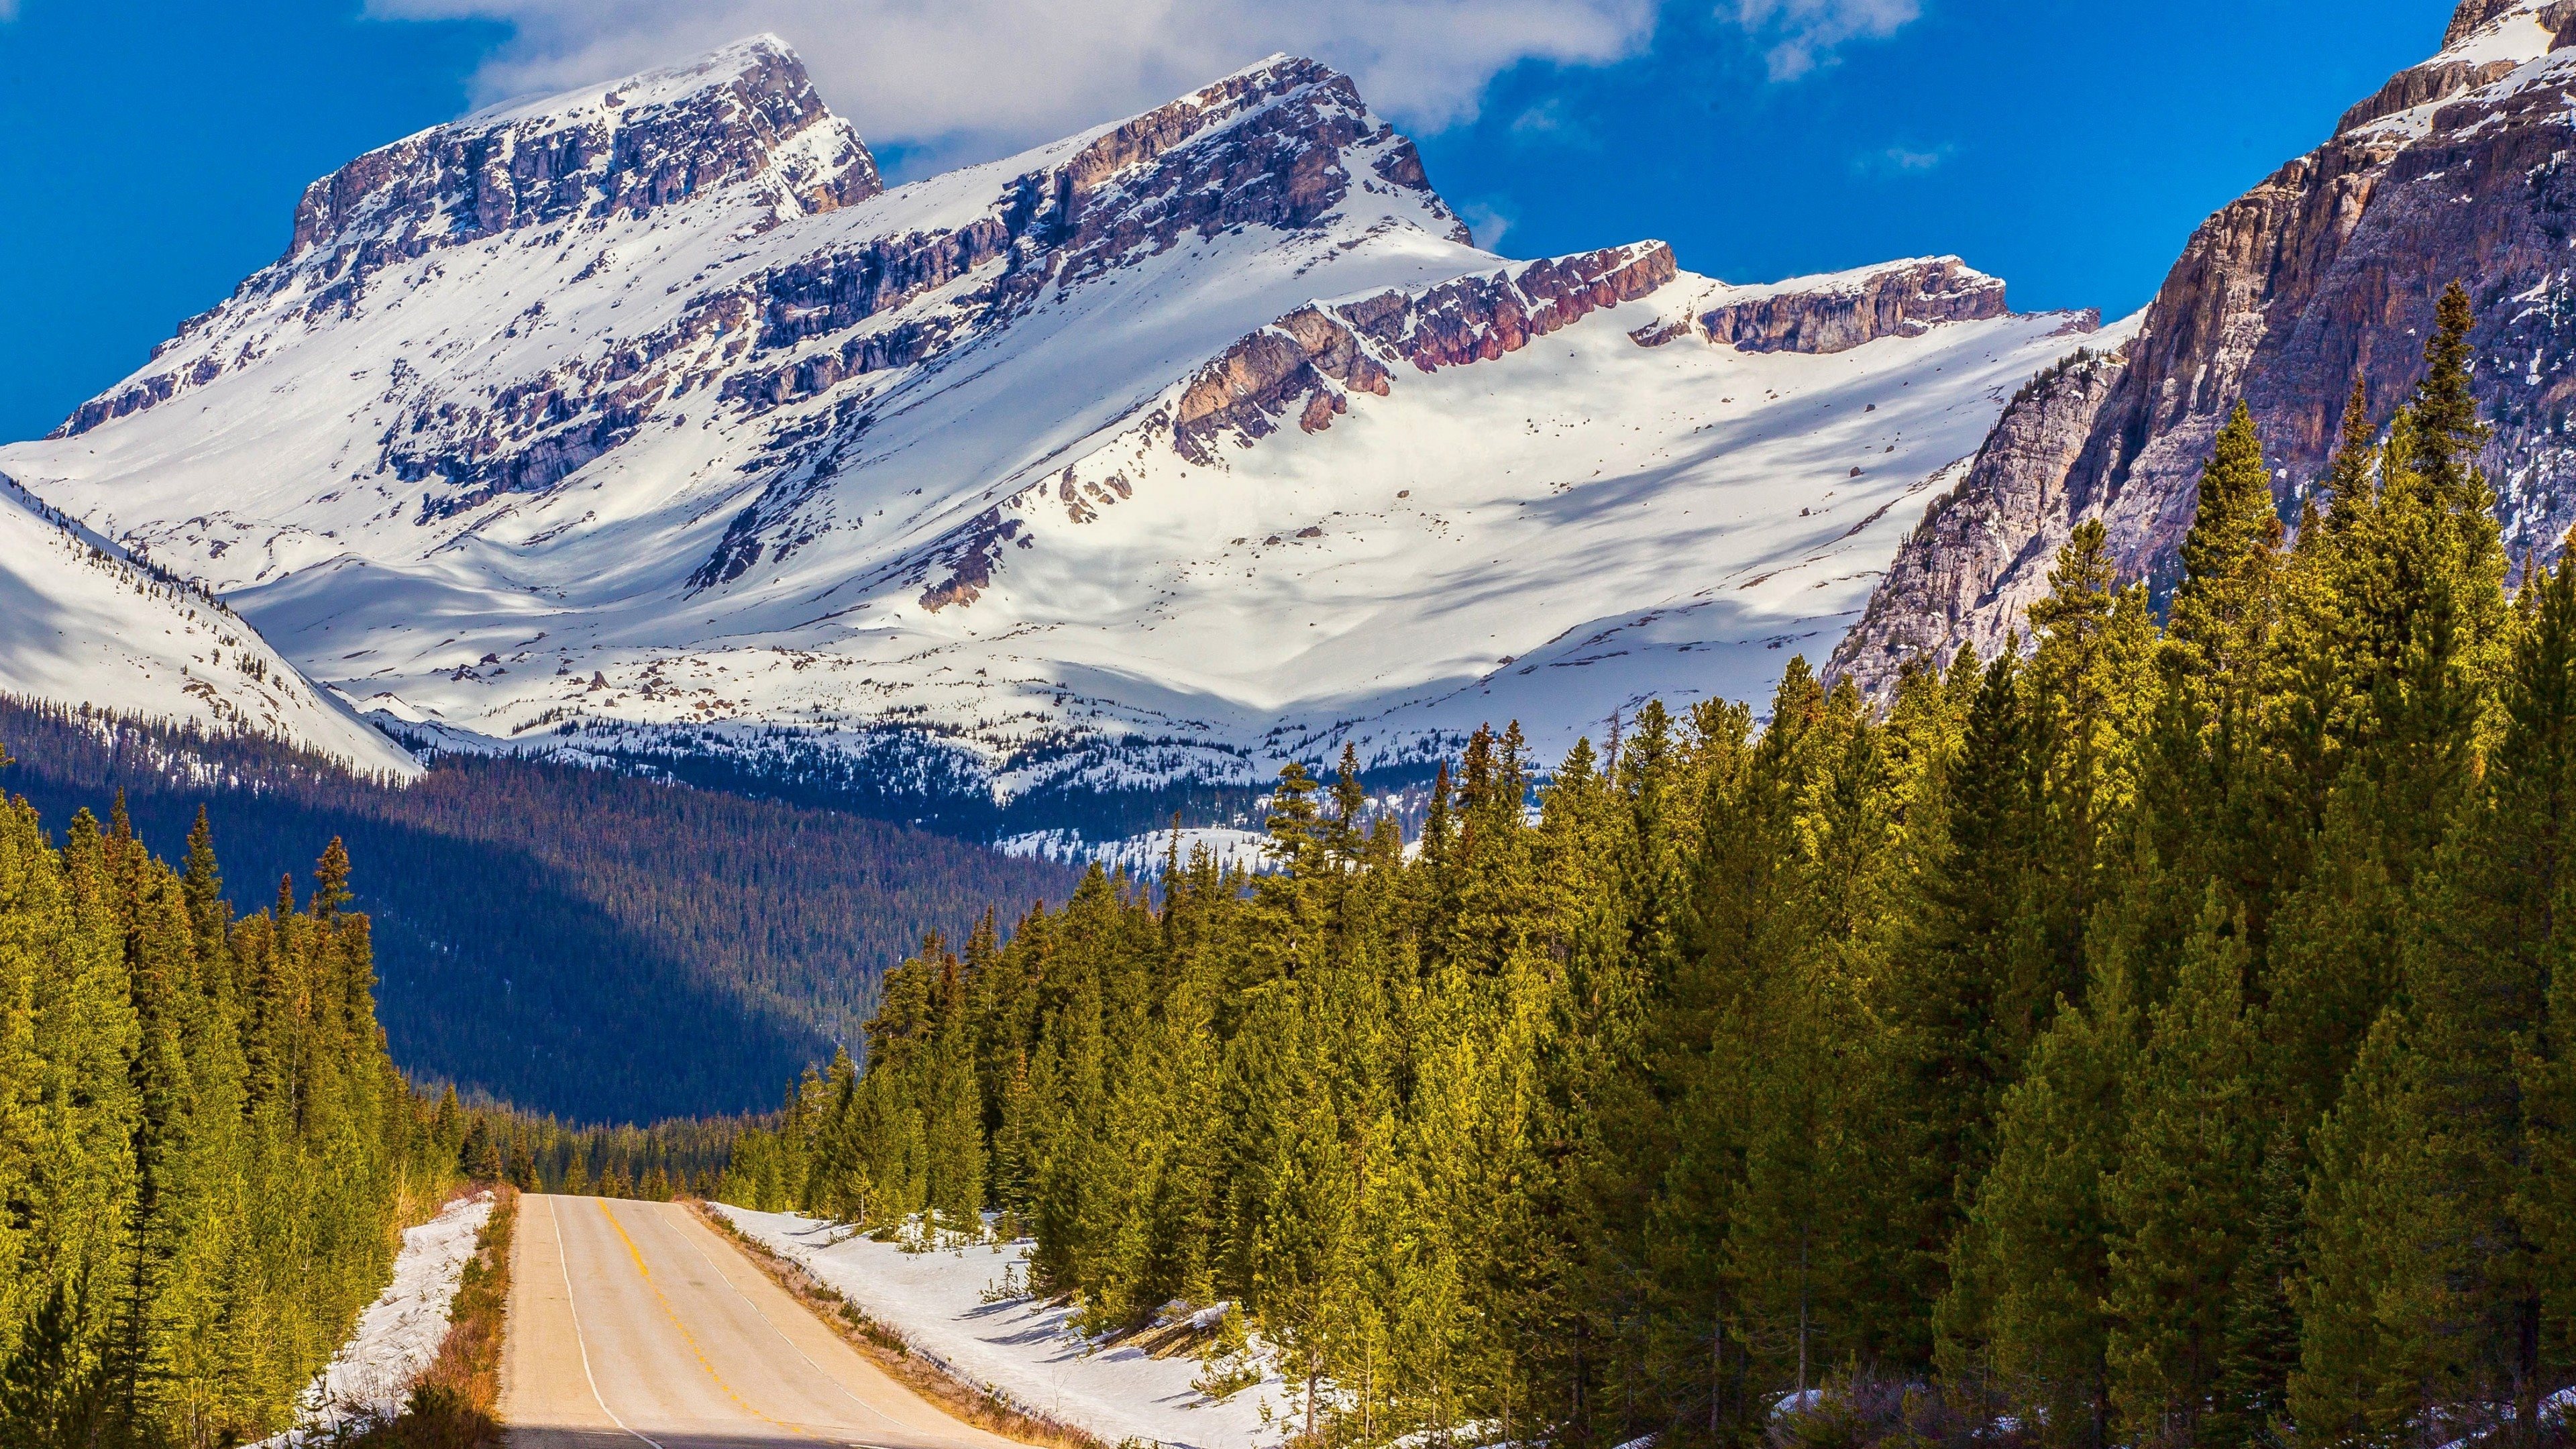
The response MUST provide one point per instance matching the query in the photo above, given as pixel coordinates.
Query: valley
(1141, 794)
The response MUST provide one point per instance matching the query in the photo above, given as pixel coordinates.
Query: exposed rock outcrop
(1900, 300)
(2459, 168)
(1304, 362)
(1272, 146)
(1964, 576)
(969, 556)
(727, 119)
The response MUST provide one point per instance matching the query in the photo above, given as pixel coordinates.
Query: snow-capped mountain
(87, 625)
(643, 420)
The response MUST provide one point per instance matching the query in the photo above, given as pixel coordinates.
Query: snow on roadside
(399, 1334)
(1022, 1346)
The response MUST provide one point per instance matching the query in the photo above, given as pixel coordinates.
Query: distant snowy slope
(80, 624)
(642, 421)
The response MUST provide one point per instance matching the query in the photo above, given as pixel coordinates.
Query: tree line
(204, 1149)
(574, 941)
(677, 1157)
(2150, 1035)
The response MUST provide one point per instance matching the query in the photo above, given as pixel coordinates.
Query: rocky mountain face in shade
(2458, 168)
(645, 424)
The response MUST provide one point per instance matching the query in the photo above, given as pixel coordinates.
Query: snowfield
(81, 625)
(398, 1336)
(759, 461)
(1018, 1345)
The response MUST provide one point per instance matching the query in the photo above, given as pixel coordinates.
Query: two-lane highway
(634, 1321)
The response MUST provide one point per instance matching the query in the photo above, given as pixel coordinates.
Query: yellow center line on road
(692, 1339)
(563, 1264)
(824, 1373)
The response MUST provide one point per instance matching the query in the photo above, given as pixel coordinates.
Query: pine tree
(2448, 433)
(2032, 1270)
(2371, 1292)
(2348, 476)
(2220, 613)
(2258, 1344)
(2185, 1192)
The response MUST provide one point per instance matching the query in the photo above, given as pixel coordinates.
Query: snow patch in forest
(1024, 1347)
(399, 1334)
(1142, 855)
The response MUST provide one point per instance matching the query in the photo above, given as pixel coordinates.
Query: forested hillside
(571, 941)
(204, 1151)
(2150, 1037)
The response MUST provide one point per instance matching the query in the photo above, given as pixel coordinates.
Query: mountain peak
(756, 64)
(745, 113)
(2487, 40)
(1283, 125)
(2474, 16)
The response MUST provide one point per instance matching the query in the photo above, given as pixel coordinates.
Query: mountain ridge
(561, 441)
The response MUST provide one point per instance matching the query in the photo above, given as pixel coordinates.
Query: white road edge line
(828, 1377)
(563, 1260)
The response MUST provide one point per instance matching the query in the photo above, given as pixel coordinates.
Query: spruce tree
(2372, 1293)
(2448, 434)
(2258, 1343)
(2219, 614)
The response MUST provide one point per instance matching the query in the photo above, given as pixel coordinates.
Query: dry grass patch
(455, 1405)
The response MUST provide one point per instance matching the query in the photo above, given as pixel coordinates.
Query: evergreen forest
(2149, 1035)
(677, 1157)
(205, 1152)
(572, 941)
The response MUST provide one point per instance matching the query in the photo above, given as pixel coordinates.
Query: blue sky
(152, 150)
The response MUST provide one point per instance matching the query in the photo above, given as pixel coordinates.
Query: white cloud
(1906, 160)
(1547, 118)
(1804, 34)
(8, 10)
(1486, 223)
(958, 80)
(1552, 123)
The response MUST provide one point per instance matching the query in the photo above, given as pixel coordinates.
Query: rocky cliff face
(1309, 360)
(1903, 300)
(2458, 168)
(1980, 555)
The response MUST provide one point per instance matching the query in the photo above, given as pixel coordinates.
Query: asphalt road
(634, 1321)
